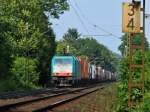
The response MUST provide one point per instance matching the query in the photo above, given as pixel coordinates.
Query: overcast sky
(105, 14)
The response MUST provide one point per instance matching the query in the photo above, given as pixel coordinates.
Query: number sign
(131, 18)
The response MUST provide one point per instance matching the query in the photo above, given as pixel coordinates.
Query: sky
(105, 14)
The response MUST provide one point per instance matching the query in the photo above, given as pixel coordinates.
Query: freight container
(106, 74)
(84, 68)
(93, 71)
(110, 75)
(90, 71)
(99, 73)
(78, 69)
(103, 75)
(96, 72)
(113, 76)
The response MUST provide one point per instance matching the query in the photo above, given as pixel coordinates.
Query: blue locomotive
(65, 70)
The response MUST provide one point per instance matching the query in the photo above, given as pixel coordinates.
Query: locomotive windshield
(63, 65)
(63, 61)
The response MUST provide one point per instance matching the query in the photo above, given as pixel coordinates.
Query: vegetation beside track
(122, 105)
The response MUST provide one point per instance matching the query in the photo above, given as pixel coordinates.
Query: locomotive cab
(64, 70)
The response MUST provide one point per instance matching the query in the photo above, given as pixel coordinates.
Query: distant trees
(97, 53)
(71, 35)
(70, 40)
(137, 40)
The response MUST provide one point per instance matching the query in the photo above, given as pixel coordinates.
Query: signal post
(131, 23)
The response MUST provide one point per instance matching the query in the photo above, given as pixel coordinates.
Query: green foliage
(71, 35)
(63, 44)
(144, 107)
(5, 57)
(147, 71)
(25, 71)
(54, 7)
(123, 86)
(137, 41)
(8, 84)
(46, 52)
(124, 76)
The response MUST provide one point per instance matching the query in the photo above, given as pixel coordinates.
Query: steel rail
(12, 105)
(61, 102)
(22, 93)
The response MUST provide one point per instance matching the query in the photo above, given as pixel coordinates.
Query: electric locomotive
(65, 70)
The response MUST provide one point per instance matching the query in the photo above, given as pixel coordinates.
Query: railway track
(23, 93)
(48, 102)
(66, 100)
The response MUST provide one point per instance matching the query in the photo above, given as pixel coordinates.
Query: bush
(25, 72)
(5, 56)
(144, 107)
(9, 84)
(123, 87)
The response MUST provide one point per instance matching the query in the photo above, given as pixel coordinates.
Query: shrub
(25, 72)
(123, 87)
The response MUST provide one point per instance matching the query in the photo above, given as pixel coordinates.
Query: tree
(71, 35)
(45, 55)
(5, 56)
(137, 39)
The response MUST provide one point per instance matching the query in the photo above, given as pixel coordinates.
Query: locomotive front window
(63, 65)
(63, 61)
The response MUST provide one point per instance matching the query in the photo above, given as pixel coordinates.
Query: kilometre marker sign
(131, 18)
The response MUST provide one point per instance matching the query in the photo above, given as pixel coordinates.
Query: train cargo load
(90, 71)
(70, 70)
(84, 68)
(100, 73)
(93, 72)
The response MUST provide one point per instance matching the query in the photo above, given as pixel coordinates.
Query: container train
(70, 70)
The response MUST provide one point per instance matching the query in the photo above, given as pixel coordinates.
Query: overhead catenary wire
(93, 24)
(78, 16)
(95, 35)
(111, 34)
